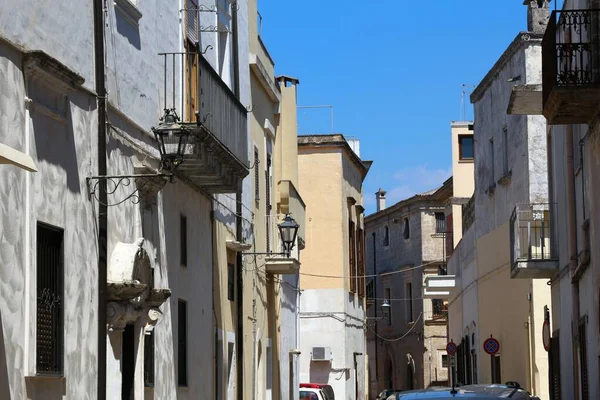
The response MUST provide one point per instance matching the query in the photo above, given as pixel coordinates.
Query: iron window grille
(256, 175)
(149, 359)
(50, 276)
(440, 222)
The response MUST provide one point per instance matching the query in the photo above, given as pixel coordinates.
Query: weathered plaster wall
(56, 195)
(63, 30)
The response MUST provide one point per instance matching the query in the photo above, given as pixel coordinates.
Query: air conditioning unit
(321, 354)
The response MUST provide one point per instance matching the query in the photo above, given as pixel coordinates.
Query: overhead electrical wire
(398, 338)
(371, 276)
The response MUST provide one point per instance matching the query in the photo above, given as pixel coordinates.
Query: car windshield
(305, 395)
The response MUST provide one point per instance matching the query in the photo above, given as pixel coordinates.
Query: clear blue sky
(393, 71)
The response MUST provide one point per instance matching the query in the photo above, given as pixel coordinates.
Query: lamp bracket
(113, 182)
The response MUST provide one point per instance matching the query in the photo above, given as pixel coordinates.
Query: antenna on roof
(463, 111)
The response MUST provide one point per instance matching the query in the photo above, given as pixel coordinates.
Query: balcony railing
(217, 119)
(371, 292)
(532, 240)
(571, 66)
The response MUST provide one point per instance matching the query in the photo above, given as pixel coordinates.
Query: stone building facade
(405, 244)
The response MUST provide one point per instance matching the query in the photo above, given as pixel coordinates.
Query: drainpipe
(102, 201)
(238, 223)
(572, 232)
(375, 310)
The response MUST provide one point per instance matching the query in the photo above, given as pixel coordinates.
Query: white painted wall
(329, 319)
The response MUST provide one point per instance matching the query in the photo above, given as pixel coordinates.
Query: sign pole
(451, 350)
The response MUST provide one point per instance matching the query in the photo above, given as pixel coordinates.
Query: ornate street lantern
(172, 138)
(288, 230)
(385, 307)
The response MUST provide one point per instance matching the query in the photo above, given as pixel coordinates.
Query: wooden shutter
(352, 258)
(585, 394)
(361, 262)
(191, 20)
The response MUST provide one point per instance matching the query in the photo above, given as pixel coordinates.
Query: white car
(311, 394)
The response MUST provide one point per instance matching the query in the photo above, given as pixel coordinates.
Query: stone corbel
(119, 315)
(154, 317)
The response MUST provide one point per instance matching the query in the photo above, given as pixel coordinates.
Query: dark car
(472, 392)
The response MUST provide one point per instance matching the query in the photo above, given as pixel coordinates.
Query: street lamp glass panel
(385, 307)
(172, 140)
(288, 230)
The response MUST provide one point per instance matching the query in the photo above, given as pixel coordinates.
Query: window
(496, 369)
(256, 175)
(583, 365)
(149, 359)
(444, 360)
(386, 236)
(360, 245)
(388, 296)
(128, 350)
(406, 229)
(230, 282)
(182, 343)
(492, 164)
(50, 276)
(269, 373)
(409, 302)
(465, 147)
(268, 201)
(351, 256)
(230, 363)
(440, 222)
(183, 239)
(505, 151)
(555, 384)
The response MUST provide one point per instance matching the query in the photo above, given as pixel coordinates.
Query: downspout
(238, 223)
(102, 196)
(218, 383)
(572, 231)
(375, 310)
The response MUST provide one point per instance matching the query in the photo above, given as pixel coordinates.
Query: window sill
(505, 180)
(129, 11)
(51, 382)
(466, 161)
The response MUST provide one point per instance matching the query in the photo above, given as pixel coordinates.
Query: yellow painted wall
(321, 180)
(504, 310)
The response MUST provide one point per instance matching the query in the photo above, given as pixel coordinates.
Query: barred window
(256, 175)
(50, 276)
(149, 359)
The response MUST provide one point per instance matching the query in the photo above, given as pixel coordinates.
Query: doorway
(128, 363)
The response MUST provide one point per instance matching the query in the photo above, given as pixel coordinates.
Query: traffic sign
(452, 361)
(546, 335)
(451, 348)
(491, 346)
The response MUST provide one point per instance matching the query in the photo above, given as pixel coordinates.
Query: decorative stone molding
(148, 187)
(129, 11)
(38, 65)
(130, 288)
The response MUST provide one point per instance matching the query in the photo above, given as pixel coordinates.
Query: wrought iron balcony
(571, 67)
(533, 245)
(216, 157)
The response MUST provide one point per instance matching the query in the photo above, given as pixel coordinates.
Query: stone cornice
(522, 39)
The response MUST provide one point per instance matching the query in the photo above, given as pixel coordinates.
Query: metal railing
(531, 234)
(571, 50)
(439, 308)
(196, 91)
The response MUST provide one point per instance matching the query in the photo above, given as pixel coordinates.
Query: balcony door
(191, 82)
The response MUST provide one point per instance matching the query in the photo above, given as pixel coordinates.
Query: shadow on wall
(127, 29)
(4, 388)
(320, 372)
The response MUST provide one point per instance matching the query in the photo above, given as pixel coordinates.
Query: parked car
(386, 393)
(327, 389)
(471, 392)
(311, 394)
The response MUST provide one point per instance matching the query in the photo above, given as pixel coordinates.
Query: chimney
(380, 196)
(538, 14)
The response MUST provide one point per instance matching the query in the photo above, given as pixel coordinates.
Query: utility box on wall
(321, 354)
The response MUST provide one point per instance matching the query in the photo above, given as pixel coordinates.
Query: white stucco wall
(56, 195)
(329, 319)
